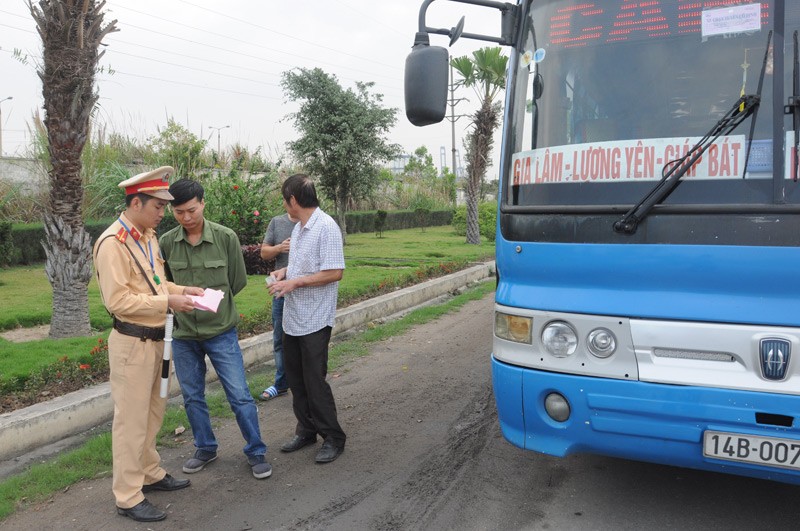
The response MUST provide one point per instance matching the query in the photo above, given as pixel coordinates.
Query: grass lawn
(26, 295)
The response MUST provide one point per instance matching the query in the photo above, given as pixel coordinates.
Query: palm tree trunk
(69, 269)
(479, 146)
(473, 227)
(71, 34)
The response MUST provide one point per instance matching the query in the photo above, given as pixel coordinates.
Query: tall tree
(485, 72)
(342, 135)
(71, 33)
(420, 166)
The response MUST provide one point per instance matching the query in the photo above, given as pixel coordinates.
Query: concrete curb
(33, 427)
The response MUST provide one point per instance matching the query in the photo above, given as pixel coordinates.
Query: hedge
(26, 247)
(487, 220)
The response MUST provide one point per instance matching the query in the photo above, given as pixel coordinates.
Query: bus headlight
(601, 342)
(513, 327)
(559, 339)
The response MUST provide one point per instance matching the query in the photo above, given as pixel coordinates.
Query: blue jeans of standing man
(226, 357)
(277, 343)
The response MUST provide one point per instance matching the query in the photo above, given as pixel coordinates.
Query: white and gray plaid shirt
(315, 247)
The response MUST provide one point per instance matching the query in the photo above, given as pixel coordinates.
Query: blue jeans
(226, 357)
(277, 343)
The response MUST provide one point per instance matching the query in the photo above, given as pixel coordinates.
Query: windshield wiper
(793, 108)
(673, 170)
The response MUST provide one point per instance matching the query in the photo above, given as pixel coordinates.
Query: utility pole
(453, 117)
(1, 123)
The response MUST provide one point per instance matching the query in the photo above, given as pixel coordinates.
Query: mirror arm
(509, 22)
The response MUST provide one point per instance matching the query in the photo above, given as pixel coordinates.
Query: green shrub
(27, 237)
(380, 222)
(487, 220)
(7, 250)
(395, 220)
(18, 206)
(66, 374)
(178, 147)
(460, 220)
(101, 192)
(253, 263)
(422, 217)
(244, 204)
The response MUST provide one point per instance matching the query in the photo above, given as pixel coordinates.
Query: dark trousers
(305, 359)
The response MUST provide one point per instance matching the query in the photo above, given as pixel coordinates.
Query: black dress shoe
(168, 483)
(144, 511)
(298, 442)
(328, 452)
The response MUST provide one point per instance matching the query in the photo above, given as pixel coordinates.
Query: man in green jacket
(210, 255)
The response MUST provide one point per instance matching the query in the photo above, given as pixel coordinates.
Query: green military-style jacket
(215, 262)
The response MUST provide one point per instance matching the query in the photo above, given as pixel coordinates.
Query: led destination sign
(591, 23)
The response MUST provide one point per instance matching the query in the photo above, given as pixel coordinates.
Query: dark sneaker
(199, 461)
(261, 469)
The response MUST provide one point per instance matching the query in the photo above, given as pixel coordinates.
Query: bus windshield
(605, 94)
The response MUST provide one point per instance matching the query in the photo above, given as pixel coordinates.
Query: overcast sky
(211, 64)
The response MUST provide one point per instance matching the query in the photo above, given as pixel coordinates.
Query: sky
(215, 67)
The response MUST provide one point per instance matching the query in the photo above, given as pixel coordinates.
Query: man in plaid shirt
(310, 285)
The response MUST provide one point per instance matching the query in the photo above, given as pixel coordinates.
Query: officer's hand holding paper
(209, 301)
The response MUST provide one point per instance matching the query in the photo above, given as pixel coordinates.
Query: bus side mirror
(426, 79)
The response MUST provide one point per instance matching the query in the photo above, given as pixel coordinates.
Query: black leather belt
(142, 332)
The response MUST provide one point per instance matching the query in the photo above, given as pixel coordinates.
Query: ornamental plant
(242, 203)
(60, 377)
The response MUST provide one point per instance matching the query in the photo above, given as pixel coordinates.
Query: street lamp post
(218, 128)
(1, 123)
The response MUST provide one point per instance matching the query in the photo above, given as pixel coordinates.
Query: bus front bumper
(643, 421)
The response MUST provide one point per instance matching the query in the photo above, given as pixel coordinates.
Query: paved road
(425, 452)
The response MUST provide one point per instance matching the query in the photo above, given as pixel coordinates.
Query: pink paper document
(209, 301)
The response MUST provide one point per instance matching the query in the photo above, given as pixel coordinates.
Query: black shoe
(298, 442)
(329, 452)
(168, 483)
(144, 511)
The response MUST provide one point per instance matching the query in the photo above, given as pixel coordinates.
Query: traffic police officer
(130, 272)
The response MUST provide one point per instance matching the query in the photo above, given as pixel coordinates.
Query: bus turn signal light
(513, 327)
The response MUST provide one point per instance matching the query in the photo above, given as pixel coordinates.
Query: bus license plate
(769, 451)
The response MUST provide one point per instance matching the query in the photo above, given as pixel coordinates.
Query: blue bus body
(648, 232)
(654, 422)
(695, 297)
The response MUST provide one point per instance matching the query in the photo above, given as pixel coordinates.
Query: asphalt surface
(425, 451)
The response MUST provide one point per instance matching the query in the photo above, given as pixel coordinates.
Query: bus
(648, 291)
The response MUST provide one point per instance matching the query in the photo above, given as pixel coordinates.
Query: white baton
(166, 357)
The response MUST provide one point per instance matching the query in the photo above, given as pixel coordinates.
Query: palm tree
(485, 72)
(71, 33)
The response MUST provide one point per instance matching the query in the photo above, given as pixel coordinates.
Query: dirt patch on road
(417, 412)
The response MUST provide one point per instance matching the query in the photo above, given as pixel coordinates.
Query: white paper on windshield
(734, 19)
